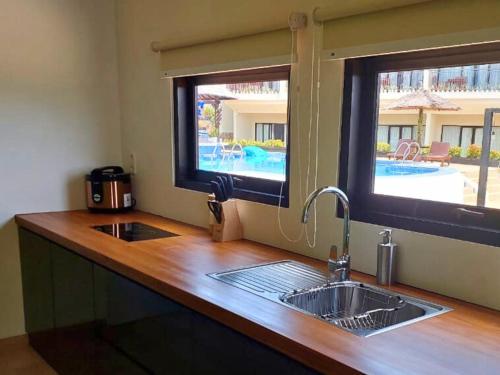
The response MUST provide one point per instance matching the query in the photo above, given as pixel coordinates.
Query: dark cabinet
(85, 319)
(153, 330)
(62, 310)
(37, 282)
(72, 288)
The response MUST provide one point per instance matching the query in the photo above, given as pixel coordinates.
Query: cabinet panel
(152, 330)
(37, 282)
(73, 288)
(85, 319)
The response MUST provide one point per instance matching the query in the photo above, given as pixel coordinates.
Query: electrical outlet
(132, 167)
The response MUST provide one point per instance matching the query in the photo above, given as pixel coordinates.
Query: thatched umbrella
(422, 100)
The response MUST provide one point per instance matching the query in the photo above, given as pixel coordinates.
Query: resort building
(472, 88)
(253, 111)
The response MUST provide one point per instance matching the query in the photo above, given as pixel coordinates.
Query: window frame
(187, 175)
(359, 128)
(271, 126)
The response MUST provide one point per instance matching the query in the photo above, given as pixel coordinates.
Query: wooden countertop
(466, 340)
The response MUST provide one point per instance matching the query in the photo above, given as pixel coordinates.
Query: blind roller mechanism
(408, 26)
(235, 52)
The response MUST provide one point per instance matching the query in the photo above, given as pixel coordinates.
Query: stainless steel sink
(362, 309)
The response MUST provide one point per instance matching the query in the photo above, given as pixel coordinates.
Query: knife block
(230, 228)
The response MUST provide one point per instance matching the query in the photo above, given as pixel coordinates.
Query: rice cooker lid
(110, 173)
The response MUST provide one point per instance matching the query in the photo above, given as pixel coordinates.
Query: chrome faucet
(339, 267)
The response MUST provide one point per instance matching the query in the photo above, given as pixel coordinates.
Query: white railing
(470, 78)
(410, 146)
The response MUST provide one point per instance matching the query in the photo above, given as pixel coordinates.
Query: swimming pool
(272, 165)
(412, 180)
(384, 168)
(265, 164)
(419, 180)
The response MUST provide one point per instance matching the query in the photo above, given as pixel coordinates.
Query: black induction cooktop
(134, 231)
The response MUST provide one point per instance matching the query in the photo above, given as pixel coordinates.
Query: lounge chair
(402, 149)
(439, 152)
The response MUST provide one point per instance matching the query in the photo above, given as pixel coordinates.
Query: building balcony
(462, 79)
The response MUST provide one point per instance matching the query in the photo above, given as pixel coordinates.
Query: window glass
(241, 128)
(406, 132)
(451, 134)
(394, 137)
(437, 158)
(383, 134)
(495, 139)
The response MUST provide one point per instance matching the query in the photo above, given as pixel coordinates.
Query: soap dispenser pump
(386, 254)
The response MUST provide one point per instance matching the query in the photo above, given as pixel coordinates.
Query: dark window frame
(359, 126)
(187, 174)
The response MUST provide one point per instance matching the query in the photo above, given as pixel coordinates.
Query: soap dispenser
(386, 254)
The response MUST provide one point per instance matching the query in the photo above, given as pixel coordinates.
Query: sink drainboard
(361, 309)
(273, 278)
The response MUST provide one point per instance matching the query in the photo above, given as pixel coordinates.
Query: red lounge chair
(439, 152)
(400, 151)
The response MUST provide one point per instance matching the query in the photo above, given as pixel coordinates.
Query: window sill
(469, 233)
(239, 193)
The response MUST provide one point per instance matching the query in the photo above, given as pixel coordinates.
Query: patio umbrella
(422, 100)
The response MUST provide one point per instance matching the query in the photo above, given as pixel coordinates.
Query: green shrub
(455, 151)
(474, 151)
(213, 132)
(425, 150)
(274, 143)
(271, 143)
(383, 147)
(494, 155)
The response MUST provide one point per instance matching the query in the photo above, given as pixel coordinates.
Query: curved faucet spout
(342, 262)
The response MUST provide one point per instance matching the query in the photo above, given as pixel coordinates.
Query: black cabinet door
(73, 288)
(37, 282)
(85, 319)
(149, 328)
(62, 311)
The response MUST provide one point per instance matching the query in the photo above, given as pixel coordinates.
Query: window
(428, 175)
(464, 136)
(227, 124)
(266, 132)
(392, 134)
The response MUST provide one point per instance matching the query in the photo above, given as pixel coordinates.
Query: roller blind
(429, 24)
(264, 49)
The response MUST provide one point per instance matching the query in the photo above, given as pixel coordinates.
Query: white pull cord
(297, 106)
(310, 243)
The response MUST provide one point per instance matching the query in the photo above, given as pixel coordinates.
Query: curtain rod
(347, 9)
(295, 21)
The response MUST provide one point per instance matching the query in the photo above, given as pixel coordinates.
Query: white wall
(443, 265)
(59, 117)
(227, 121)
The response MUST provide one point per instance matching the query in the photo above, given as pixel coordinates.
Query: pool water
(397, 168)
(256, 162)
(270, 165)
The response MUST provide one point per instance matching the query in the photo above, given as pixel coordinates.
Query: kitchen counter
(465, 340)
